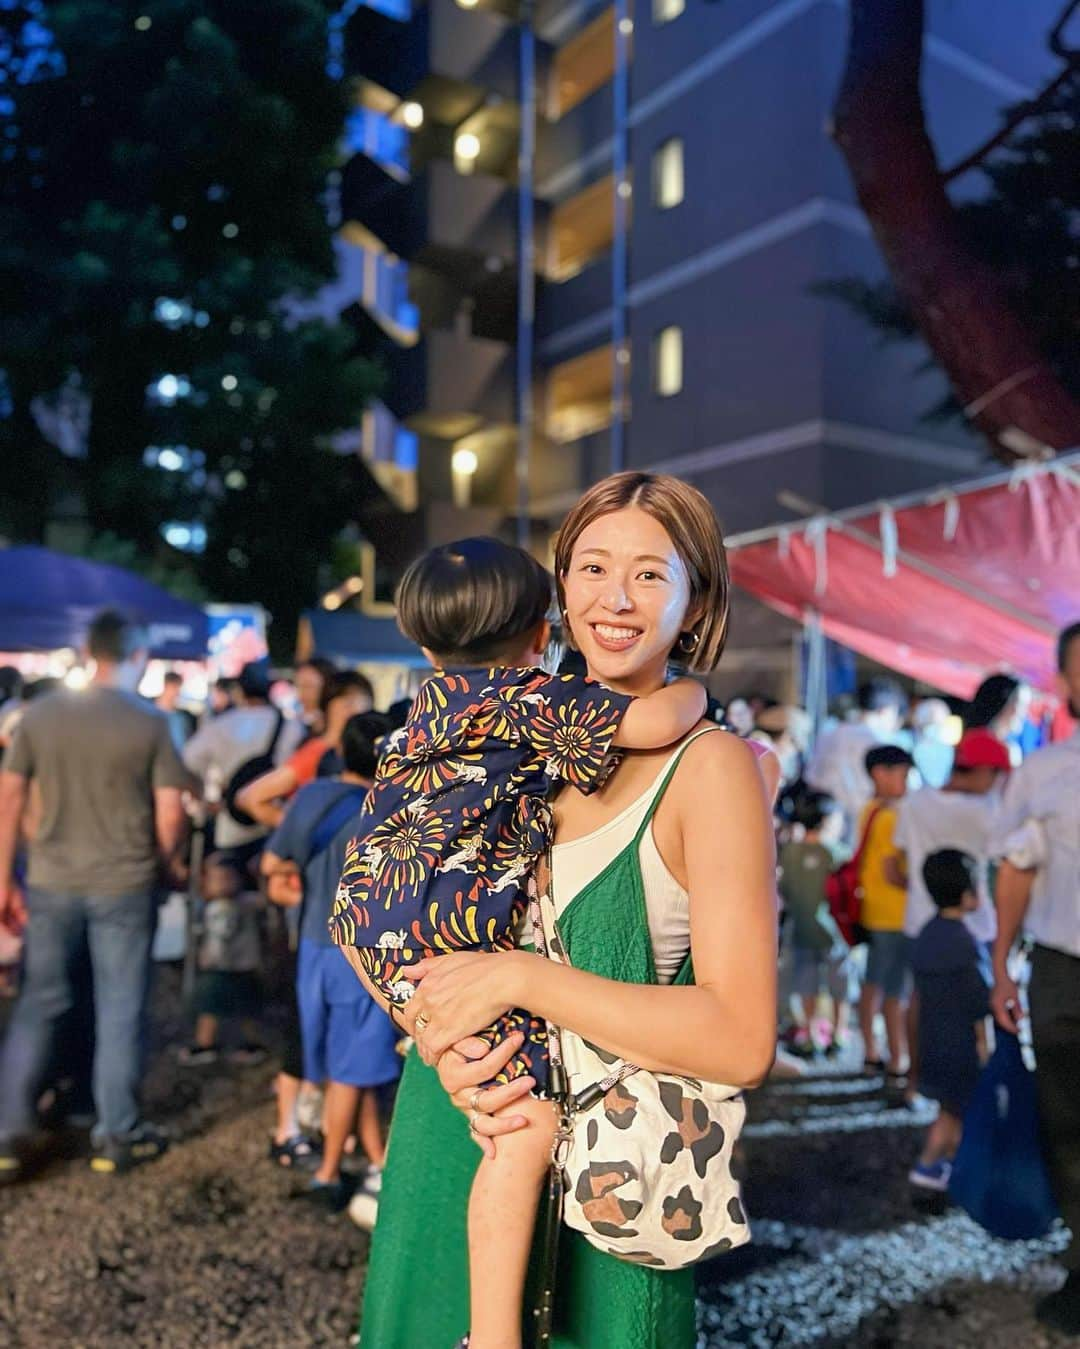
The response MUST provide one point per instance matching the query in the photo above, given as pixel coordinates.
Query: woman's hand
(461, 1071)
(459, 995)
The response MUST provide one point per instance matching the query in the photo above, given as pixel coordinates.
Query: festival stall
(47, 600)
(942, 586)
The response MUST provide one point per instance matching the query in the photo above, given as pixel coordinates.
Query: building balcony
(560, 145)
(377, 282)
(468, 384)
(561, 305)
(440, 45)
(383, 141)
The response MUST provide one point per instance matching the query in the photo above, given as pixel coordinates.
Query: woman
(642, 580)
(346, 695)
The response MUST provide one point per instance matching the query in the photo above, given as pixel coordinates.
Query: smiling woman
(662, 898)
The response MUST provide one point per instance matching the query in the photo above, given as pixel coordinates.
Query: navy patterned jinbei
(458, 817)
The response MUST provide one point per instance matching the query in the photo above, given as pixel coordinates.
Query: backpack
(844, 892)
(248, 771)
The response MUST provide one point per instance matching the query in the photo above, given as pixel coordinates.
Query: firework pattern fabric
(458, 817)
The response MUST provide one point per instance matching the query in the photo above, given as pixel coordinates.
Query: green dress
(417, 1290)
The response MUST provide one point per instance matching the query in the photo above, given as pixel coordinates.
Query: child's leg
(287, 1090)
(808, 1002)
(942, 1139)
(339, 1115)
(868, 1006)
(502, 1214)
(371, 1135)
(895, 1034)
(206, 1030)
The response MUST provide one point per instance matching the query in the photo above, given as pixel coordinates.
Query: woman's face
(627, 595)
(309, 687)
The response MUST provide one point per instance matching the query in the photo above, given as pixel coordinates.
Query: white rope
(817, 532)
(890, 541)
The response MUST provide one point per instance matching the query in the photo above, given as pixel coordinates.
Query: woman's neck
(637, 684)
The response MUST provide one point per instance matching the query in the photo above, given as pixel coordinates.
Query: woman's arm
(724, 1028)
(262, 798)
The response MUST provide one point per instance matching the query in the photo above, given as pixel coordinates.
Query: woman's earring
(689, 642)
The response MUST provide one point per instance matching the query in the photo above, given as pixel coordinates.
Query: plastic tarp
(47, 600)
(944, 587)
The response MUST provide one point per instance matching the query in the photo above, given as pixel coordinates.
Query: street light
(463, 464)
(466, 152)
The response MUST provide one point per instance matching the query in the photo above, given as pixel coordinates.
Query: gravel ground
(205, 1247)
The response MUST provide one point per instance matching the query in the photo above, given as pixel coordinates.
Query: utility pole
(624, 27)
(526, 268)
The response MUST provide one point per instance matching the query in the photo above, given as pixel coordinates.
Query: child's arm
(662, 718)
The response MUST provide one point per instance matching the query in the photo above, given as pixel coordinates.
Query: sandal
(295, 1152)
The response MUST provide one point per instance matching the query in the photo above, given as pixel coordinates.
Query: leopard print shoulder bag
(641, 1160)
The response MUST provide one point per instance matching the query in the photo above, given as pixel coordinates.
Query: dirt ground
(206, 1248)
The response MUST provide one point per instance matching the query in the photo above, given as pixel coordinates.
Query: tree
(993, 286)
(162, 209)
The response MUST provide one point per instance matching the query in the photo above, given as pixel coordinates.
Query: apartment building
(736, 372)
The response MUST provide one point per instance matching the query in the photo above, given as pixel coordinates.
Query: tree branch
(1031, 106)
(1016, 118)
(963, 308)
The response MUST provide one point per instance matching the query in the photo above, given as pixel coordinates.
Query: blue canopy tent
(47, 600)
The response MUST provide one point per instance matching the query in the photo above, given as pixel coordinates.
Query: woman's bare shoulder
(719, 758)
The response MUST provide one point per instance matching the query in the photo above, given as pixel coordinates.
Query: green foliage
(186, 160)
(1027, 228)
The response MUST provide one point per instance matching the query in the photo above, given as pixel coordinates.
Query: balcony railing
(386, 291)
(393, 9)
(370, 133)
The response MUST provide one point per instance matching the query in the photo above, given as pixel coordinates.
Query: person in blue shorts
(348, 1042)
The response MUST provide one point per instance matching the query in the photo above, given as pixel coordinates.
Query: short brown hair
(691, 524)
(469, 602)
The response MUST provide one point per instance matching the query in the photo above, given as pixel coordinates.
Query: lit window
(668, 174)
(663, 11)
(667, 362)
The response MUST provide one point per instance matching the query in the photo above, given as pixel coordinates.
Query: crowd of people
(103, 793)
(912, 850)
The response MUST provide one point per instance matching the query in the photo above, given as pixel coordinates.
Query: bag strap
(279, 726)
(865, 837)
(331, 820)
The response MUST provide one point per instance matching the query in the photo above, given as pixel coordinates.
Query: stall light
(77, 677)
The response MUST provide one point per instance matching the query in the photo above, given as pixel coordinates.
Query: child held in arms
(455, 823)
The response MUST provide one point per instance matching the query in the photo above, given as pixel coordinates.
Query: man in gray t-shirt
(108, 785)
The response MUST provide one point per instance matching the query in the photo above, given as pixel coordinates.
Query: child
(228, 984)
(455, 823)
(953, 1000)
(883, 903)
(820, 952)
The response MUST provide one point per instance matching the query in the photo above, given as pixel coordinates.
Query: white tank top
(580, 861)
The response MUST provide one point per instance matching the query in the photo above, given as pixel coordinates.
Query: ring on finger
(472, 1121)
(474, 1100)
(422, 1022)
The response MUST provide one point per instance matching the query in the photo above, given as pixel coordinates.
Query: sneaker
(934, 1176)
(247, 1056)
(114, 1155)
(198, 1056)
(802, 1045)
(364, 1205)
(330, 1197)
(1061, 1310)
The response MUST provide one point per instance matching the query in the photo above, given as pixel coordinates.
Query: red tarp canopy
(945, 587)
